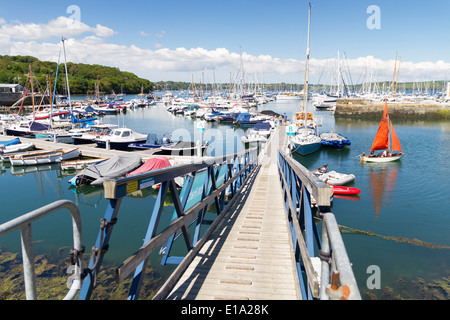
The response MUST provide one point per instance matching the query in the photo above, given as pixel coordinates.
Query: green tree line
(82, 77)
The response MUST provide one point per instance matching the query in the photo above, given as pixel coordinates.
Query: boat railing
(24, 224)
(326, 274)
(209, 183)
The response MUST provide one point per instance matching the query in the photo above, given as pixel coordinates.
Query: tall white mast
(67, 76)
(305, 89)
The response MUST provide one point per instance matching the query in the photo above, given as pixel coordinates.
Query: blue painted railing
(213, 181)
(302, 191)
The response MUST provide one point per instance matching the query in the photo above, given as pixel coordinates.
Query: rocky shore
(363, 108)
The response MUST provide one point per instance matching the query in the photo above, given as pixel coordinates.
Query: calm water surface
(407, 199)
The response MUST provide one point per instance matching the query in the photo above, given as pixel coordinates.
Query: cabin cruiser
(120, 138)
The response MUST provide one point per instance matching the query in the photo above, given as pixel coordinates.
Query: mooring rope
(416, 242)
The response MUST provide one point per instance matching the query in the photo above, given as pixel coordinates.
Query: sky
(211, 41)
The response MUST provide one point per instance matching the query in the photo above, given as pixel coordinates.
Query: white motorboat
(94, 131)
(120, 138)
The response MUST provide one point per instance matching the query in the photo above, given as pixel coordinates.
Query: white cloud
(144, 34)
(161, 34)
(178, 64)
(61, 26)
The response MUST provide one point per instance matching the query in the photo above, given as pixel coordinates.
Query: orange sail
(381, 140)
(395, 142)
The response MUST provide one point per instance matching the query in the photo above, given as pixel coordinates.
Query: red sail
(395, 142)
(381, 140)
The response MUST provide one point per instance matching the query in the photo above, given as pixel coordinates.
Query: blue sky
(145, 36)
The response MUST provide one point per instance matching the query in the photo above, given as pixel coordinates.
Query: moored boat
(334, 140)
(79, 164)
(253, 138)
(20, 147)
(120, 138)
(385, 139)
(345, 190)
(114, 167)
(182, 148)
(305, 142)
(43, 157)
(332, 177)
(9, 142)
(94, 132)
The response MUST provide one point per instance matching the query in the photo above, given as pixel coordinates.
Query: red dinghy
(345, 190)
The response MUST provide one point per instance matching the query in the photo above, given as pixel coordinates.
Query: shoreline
(363, 108)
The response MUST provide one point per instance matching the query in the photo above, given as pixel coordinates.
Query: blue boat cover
(262, 126)
(10, 142)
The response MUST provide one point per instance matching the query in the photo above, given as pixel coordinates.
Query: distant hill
(82, 77)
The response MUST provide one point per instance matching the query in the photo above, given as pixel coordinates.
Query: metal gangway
(320, 265)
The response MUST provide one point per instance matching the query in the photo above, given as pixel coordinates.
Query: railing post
(28, 261)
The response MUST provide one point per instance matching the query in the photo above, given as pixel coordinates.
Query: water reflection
(382, 183)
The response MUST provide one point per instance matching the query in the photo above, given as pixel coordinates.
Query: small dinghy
(334, 140)
(333, 178)
(345, 190)
(20, 147)
(115, 167)
(253, 138)
(43, 157)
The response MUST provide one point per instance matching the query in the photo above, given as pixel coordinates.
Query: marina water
(398, 225)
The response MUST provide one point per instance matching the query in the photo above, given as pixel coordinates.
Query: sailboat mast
(305, 89)
(67, 75)
(398, 71)
(32, 91)
(393, 80)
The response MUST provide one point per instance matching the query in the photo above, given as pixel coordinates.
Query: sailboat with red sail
(386, 139)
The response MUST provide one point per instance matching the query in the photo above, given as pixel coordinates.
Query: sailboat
(385, 139)
(306, 139)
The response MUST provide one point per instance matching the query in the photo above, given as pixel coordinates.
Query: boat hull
(37, 158)
(118, 145)
(180, 151)
(305, 148)
(377, 159)
(345, 190)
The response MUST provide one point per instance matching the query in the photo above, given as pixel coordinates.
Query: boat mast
(305, 88)
(67, 76)
(32, 91)
(393, 80)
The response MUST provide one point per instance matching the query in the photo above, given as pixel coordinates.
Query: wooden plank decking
(250, 256)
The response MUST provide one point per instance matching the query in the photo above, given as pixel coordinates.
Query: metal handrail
(300, 187)
(238, 167)
(24, 223)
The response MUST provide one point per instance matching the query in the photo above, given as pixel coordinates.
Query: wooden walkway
(249, 256)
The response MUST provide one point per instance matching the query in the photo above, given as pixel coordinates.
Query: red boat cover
(150, 165)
